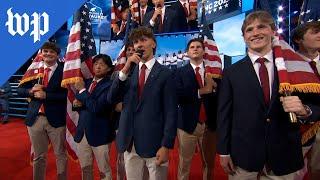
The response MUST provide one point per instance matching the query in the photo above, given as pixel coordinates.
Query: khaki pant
(311, 156)
(40, 133)
(242, 174)
(134, 165)
(206, 141)
(315, 156)
(101, 154)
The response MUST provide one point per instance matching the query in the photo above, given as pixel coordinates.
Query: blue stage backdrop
(217, 10)
(100, 16)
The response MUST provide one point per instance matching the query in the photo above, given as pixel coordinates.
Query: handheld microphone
(158, 7)
(140, 52)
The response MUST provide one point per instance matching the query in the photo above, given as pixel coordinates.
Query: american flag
(78, 64)
(115, 11)
(134, 4)
(310, 11)
(117, 6)
(122, 59)
(212, 61)
(35, 70)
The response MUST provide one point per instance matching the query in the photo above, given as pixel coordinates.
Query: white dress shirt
(201, 72)
(149, 64)
(163, 9)
(269, 64)
(94, 79)
(52, 69)
(316, 59)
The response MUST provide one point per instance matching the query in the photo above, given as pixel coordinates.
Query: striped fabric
(115, 11)
(35, 70)
(122, 59)
(78, 65)
(295, 74)
(134, 4)
(212, 61)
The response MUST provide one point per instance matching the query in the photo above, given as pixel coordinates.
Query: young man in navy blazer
(160, 19)
(306, 37)
(255, 135)
(144, 8)
(148, 122)
(95, 129)
(46, 116)
(196, 113)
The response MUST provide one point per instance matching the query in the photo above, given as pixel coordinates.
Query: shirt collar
(201, 66)
(316, 59)
(52, 68)
(145, 9)
(149, 63)
(183, 1)
(254, 57)
(96, 79)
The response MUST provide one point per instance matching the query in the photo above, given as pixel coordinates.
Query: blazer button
(268, 120)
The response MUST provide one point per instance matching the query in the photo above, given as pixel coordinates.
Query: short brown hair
(298, 33)
(51, 45)
(195, 40)
(262, 16)
(141, 31)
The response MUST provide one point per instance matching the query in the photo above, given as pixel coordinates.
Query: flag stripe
(78, 65)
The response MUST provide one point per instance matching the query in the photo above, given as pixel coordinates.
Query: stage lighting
(280, 31)
(280, 8)
(280, 19)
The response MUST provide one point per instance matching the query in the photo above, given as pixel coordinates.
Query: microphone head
(140, 52)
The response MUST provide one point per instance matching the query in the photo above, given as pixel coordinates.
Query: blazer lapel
(100, 86)
(275, 87)
(55, 76)
(134, 83)
(192, 76)
(252, 78)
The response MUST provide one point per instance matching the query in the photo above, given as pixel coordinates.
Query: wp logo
(21, 24)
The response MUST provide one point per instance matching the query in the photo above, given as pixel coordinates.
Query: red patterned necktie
(46, 77)
(142, 15)
(45, 84)
(185, 9)
(264, 79)
(313, 65)
(93, 86)
(142, 78)
(202, 114)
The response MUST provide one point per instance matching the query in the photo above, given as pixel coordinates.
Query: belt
(41, 114)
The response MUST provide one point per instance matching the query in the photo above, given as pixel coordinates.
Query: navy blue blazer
(149, 8)
(150, 122)
(181, 23)
(189, 102)
(122, 34)
(252, 133)
(55, 104)
(168, 22)
(94, 115)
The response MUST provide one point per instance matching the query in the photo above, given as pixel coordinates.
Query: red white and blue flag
(78, 65)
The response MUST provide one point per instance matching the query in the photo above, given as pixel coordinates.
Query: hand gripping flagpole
(292, 115)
